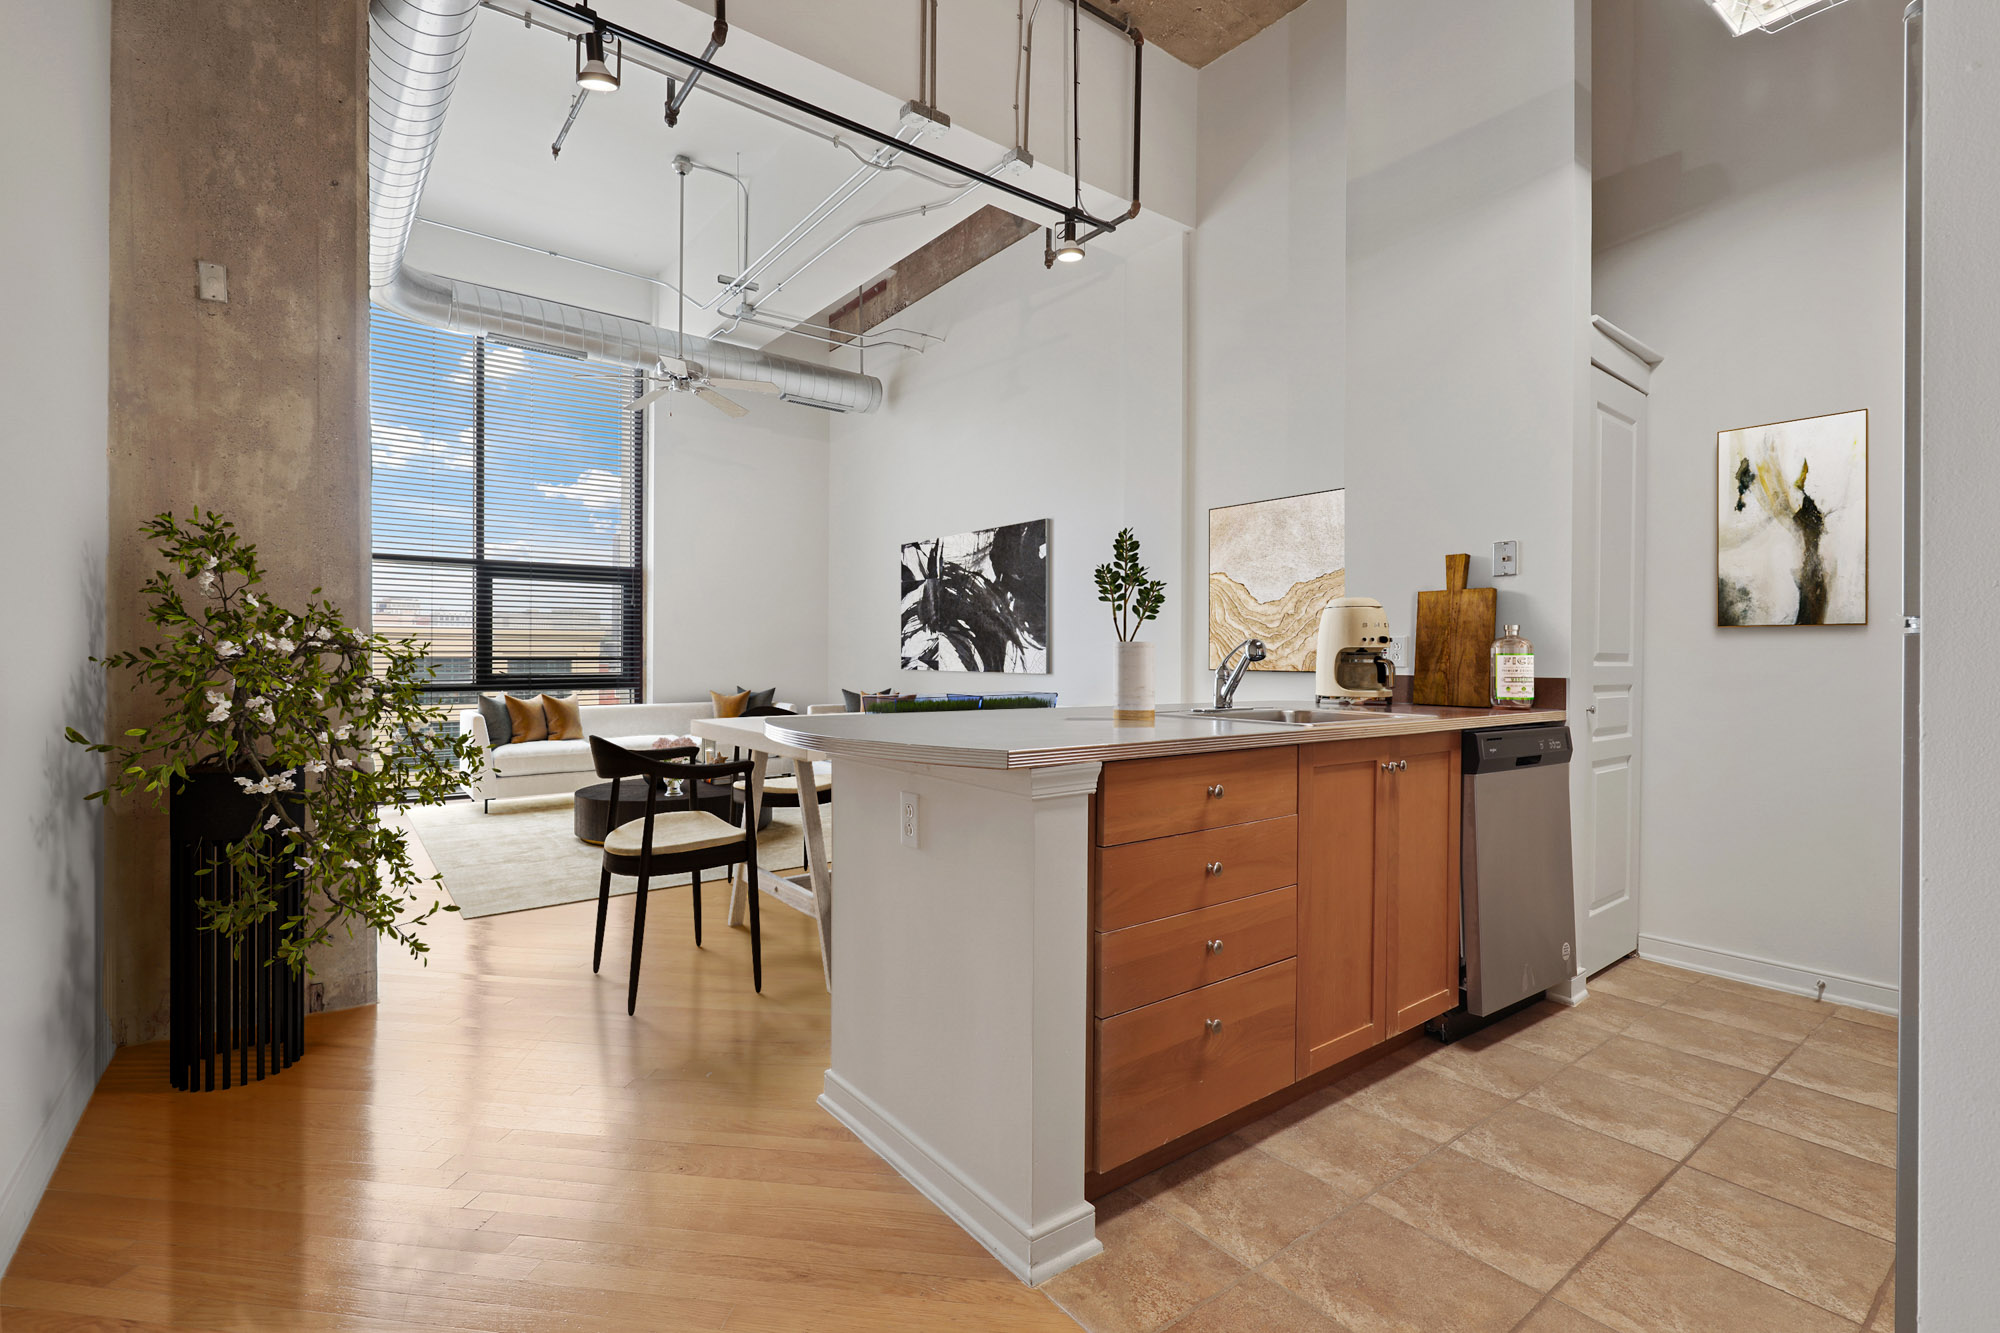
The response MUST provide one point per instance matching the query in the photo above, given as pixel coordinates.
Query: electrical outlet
(1399, 652)
(1506, 559)
(909, 819)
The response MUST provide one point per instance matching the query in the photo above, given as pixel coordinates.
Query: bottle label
(1514, 677)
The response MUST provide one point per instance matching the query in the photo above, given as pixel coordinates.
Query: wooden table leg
(816, 867)
(739, 905)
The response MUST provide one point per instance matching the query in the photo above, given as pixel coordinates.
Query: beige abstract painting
(1273, 565)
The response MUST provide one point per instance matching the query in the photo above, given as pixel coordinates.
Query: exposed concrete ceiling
(924, 270)
(1197, 31)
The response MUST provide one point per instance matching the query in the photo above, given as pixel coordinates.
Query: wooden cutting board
(1455, 642)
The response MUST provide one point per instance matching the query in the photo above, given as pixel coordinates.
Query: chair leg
(603, 907)
(638, 948)
(697, 909)
(756, 938)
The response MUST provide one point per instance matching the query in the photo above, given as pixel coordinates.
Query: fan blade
(651, 396)
(746, 386)
(717, 401)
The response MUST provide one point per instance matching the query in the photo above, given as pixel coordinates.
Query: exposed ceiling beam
(1195, 32)
(924, 270)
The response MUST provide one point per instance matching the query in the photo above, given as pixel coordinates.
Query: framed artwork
(1791, 522)
(978, 601)
(1273, 565)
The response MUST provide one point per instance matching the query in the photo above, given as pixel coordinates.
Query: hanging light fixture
(1069, 252)
(592, 74)
(1767, 15)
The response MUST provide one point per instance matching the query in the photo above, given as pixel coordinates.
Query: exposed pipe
(675, 100)
(575, 109)
(414, 56)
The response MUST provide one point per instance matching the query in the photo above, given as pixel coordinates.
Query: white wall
(1057, 394)
(1750, 193)
(1267, 292)
(1467, 297)
(53, 367)
(1958, 1185)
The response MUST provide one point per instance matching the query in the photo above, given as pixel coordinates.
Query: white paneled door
(1605, 709)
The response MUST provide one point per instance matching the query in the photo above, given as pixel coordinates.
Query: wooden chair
(780, 793)
(672, 841)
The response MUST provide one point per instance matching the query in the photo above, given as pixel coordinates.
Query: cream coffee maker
(1354, 665)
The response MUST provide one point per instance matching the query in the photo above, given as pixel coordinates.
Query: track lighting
(1766, 15)
(592, 74)
(1071, 250)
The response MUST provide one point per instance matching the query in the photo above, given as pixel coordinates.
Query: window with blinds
(507, 513)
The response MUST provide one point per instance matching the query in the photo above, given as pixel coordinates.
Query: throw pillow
(730, 705)
(526, 720)
(499, 727)
(565, 722)
(758, 698)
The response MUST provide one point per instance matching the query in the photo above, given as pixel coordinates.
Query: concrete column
(239, 135)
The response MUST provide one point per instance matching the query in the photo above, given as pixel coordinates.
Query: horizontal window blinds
(507, 513)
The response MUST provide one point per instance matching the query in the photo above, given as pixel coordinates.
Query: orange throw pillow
(529, 723)
(565, 722)
(729, 705)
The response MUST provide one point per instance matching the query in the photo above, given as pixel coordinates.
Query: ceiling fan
(677, 376)
(671, 374)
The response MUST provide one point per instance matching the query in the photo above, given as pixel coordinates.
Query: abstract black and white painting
(1791, 530)
(978, 601)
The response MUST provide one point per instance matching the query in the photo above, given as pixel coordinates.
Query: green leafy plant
(324, 725)
(1128, 587)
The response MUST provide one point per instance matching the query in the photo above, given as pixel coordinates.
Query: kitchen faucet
(1225, 690)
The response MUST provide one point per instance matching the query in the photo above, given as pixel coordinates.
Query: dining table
(810, 892)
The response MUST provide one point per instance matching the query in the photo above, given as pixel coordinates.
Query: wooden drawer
(1149, 962)
(1155, 798)
(1162, 1071)
(1161, 877)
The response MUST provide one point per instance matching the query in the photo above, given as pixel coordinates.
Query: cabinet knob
(1215, 946)
(1214, 1025)
(1402, 764)
(1215, 867)
(1216, 790)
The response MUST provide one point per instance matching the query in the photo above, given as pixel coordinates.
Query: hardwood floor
(496, 1146)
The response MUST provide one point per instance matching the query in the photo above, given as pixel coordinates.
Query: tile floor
(1677, 1154)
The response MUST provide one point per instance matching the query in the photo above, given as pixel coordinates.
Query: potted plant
(285, 739)
(1135, 597)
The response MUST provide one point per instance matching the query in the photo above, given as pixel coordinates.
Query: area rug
(525, 854)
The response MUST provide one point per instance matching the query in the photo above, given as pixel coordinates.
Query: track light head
(1070, 251)
(592, 74)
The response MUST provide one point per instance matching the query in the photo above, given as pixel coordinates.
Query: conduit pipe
(415, 50)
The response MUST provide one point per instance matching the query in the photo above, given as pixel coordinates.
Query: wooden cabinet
(1378, 941)
(1328, 875)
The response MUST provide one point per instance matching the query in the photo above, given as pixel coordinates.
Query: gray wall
(1748, 209)
(55, 76)
(1959, 1075)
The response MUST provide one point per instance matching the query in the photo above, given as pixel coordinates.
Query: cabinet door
(1341, 939)
(1420, 827)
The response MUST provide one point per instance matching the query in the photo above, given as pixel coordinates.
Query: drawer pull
(1215, 867)
(1216, 791)
(1214, 1025)
(1215, 946)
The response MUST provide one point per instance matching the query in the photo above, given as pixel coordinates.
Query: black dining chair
(780, 793)
(672, 838)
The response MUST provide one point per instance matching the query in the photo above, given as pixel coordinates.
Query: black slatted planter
(238, 1011)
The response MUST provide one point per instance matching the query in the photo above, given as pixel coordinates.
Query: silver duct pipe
(414, 52)
(468, 307)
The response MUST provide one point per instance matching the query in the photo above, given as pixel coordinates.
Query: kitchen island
(1067, 946)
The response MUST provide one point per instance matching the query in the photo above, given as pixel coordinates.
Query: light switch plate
(909, 819)
(1506, 559)
(211, 281)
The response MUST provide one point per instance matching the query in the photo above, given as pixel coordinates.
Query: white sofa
(551, 768)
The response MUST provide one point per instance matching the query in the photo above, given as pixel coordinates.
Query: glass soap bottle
(1513, 670)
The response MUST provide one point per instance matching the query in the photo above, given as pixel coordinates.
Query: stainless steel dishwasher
(1517, 897)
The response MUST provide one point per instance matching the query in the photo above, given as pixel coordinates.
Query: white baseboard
(1875, 995)
(31, 1174)
(1571, 992)
(1033, 1254)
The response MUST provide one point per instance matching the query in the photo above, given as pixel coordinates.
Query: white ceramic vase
(1134, 702)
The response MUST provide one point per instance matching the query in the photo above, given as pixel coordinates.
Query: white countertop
(1041, 737)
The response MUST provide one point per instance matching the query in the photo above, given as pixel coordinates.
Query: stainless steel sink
(1302, 717)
